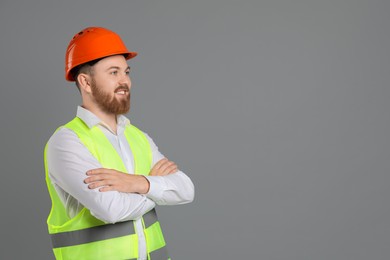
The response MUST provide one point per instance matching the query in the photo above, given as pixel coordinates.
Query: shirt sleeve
(172, 189)
(68, 161)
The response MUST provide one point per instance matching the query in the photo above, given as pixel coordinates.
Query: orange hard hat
(93, 43)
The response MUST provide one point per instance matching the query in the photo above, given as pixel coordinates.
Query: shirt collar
(91, 120)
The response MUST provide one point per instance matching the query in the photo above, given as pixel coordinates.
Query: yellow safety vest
(86, 237)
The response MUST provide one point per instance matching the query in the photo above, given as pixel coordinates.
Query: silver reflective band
(92, 234)
(98, 233)
(159, 254)
(150, 218)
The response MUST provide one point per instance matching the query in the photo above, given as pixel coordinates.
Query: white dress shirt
(69, 160)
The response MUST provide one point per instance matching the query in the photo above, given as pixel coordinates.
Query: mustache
(125, 88)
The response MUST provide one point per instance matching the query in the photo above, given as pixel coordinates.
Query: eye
(127, 72)
(115, 72)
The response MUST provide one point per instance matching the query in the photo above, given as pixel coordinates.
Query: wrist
(144, 185)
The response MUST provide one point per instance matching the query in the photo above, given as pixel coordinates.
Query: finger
(93, 179)
(97, 177)
(160, 163)
(166, 165)
(88, 180)
(100, 171)
(95, 171)
(172, 169)
(98, 184)
(106, 188)
(156, 168)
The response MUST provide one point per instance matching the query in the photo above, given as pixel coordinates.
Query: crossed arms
(112, 180)
(110, 195)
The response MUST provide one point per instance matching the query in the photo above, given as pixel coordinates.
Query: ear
(85, 82)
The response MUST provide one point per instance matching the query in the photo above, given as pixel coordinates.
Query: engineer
(104, 175)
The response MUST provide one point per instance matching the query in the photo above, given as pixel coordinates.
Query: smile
(121, 92)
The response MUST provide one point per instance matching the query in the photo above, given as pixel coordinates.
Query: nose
(125, 80)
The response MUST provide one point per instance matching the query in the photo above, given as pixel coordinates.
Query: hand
(112, 180)
(163, 167)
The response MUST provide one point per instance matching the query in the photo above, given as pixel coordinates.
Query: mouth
(121, 91)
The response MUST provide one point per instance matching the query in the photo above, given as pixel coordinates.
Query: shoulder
(63, 138)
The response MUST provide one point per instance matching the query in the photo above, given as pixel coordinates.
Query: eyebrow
(118, 68)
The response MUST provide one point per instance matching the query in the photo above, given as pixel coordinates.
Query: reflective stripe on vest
(92, 234)
(86, 237)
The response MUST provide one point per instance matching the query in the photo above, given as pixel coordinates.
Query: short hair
(83, 68)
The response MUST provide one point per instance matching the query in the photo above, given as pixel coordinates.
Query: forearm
(117, 206)
(172, 189)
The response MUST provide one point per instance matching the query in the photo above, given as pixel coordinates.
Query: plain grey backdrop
(278, 110)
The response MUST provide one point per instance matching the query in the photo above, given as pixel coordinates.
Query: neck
(107, 118)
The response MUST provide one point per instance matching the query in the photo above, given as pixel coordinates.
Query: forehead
(116, 60)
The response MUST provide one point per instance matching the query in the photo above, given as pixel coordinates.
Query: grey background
(277, 110)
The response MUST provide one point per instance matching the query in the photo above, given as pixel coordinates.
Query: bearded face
(110, 84)
(115, 102)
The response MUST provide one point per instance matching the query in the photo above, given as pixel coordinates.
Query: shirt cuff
(157, 187)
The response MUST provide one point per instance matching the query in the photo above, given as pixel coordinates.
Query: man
(104, 175)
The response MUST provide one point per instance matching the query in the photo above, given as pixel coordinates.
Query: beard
(108, 102)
